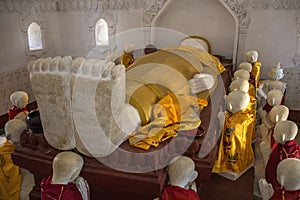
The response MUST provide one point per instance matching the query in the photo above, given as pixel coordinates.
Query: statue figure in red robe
(65, 182)
(182, 175)
(284, 134)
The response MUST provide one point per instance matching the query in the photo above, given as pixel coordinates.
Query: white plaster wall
(273, 33)
(129, 19)
(12, 46)
(206, 18)
(73, 33)
(53, 39)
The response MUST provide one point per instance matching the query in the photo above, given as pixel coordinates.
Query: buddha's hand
(266, 189)
(83, 187)
(201, 82)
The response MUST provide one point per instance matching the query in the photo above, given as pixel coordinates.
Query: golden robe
(170, 115)
(256, 68)
(252, 107)
(10, 177)
(168, 70)
(235, 150)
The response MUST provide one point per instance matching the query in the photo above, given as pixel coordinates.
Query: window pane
(34, 37)
(101, 33)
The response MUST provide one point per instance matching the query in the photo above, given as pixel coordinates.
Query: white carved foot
(51, 85)
(102, 119)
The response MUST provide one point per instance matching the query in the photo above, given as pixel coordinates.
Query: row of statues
(10, 175)
(275, 135)
(237, 123)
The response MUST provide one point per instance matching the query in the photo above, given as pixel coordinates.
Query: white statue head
(181, 171)
(66, 167)
(276, 73)
(252, 56)
(285, 131)
(19, 99)
(288, 174)
(237, 101)
(241, 74)
(13, 130)
(274, 97)
(239, 84)
(279, 113)
(246, 66)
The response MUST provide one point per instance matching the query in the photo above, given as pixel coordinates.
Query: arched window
(35, 37)
(101, 33)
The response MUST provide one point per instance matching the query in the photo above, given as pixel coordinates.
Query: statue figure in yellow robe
(252, 57)
(10, 177)
(235, 150)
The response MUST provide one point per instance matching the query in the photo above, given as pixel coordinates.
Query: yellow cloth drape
(10, 177)
(170, 115)
(205, 57)
(127, 59)
(152, 76)
(235, 151)
(256, 68)
(252, 90)
(252, 107)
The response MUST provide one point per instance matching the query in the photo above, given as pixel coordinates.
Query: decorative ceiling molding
(151, 10)
(240, 9)
(75, 5)
(274, 4)
(19, 6)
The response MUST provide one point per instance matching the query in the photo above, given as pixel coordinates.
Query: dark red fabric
(277, 155)
(13, 111)
(178, 193)
(267, 107)
(282, 194)
(59, 191)
(252, 80)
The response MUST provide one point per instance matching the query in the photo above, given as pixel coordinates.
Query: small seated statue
(252, 57)
(235, 152)
(277, 114)
(275, 75)
(285, 133)
(244, 74)
(127, 57)
(19, 100)
(182, 175)
(239, 84)
(65, 183)
(288, 176)
(248, 67)
(10, 176)
(243, 85)
(274, 98)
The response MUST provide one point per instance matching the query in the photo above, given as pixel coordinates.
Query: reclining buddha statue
(95, 105)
